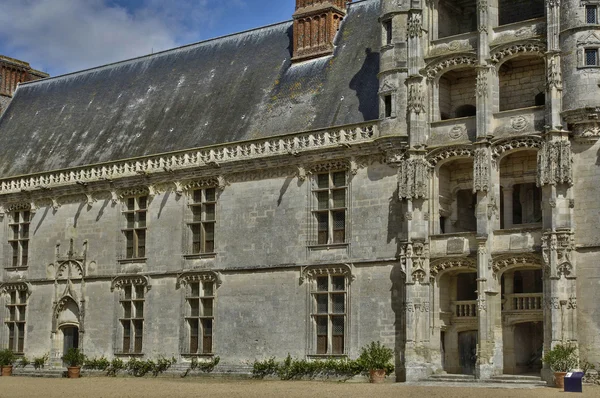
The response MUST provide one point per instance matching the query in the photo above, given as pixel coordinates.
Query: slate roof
(232, 88)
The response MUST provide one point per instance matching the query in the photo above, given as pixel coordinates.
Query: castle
(422, 173)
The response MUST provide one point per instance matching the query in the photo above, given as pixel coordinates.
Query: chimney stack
(13, 72)
(315, 25)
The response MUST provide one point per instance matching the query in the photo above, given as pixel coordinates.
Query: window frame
(590, 50)
(312, 275)
(130, 301)
(16, 321)
(199, 201)
(331, 210)
(591, 8)
(19, 234)
(196, 344)
(135, 228)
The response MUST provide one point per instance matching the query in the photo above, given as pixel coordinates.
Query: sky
(63, 36)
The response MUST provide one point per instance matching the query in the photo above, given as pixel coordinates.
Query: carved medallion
(518, 123)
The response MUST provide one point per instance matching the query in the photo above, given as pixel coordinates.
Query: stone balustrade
(465, 309)
(524, 302)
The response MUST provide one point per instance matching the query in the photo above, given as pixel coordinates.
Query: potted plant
(377, 360)
(561, 359)
(7, 358)
(74, 359)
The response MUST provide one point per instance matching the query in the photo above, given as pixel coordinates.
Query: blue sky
(62, 36)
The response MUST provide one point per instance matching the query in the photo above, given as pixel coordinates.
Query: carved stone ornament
(185, 278)
(554, 79)
(194, 159)
(414, 27)
(510, 144)
(481, 171)
(449, 152)
(482, 83)
(436, 69)
(504, 261)
(440, 265)
(332, 165)
(312, 271)
(413, 177)
(510, 50)
(416, 99)
(591, 132)
(457, 132)
(518, 123)
(133, 191)
(552, 3)
(136, 280)
(6, 288)
(555, 163)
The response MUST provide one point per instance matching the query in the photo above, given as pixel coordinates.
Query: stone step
(516, 377)
(452, 378)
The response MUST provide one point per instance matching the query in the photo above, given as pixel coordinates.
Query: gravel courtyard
(170, 387)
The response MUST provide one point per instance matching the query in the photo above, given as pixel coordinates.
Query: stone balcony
(453, 131)
(522, 238)
(520, 121)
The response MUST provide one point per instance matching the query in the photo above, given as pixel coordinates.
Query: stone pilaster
(553, 66)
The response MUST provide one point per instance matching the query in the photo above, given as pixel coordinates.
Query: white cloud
(61, 36)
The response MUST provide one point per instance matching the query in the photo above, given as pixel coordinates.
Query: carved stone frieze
(509, 144)
(532, 47)
(501, 262)
(312, 271)
(481, 170)
(207, 158)
(439, 265)
(555, 163)
(332, 165)
(454, 46)
(435, 69)
(413, 177)
(186, 278)
(137, 280)
(449, 152)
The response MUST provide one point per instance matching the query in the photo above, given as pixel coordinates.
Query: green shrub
(293, 369)
(7, 357)
(40, 362)
(203, 366)
(24, 361)
(562, 358)
(375, 356)
(74, 357)
(116, 365)
(96, 363)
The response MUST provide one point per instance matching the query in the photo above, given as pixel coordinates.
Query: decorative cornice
(504, 261)
(499, 53)
(194, 159)
(15, 287)
(510, 144)
(188, 277)
(436, 68)
(445, 264)
(312, 271)
(137, 280)
(435, 156)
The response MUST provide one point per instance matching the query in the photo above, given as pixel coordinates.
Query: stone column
(555, 178)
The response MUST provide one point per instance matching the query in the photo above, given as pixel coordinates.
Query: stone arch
(438, 157)
(187, 277)
(70, 269)
(437, 68)
(505, 262)
(503, 53)
(66, 312)
(504, 147)
(439, 267)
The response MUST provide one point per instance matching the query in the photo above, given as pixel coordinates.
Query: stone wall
(521, 79)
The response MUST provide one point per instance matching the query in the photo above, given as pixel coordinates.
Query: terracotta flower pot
(73, 372)
(376, 375)
(7, 370)
(559, 379)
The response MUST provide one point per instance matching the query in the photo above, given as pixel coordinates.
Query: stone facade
(459, 228)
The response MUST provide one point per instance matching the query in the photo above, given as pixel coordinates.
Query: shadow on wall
(394, 228)
(398, 295)
(366, 86)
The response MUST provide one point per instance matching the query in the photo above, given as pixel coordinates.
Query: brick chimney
(13, 72)
(315, 25)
